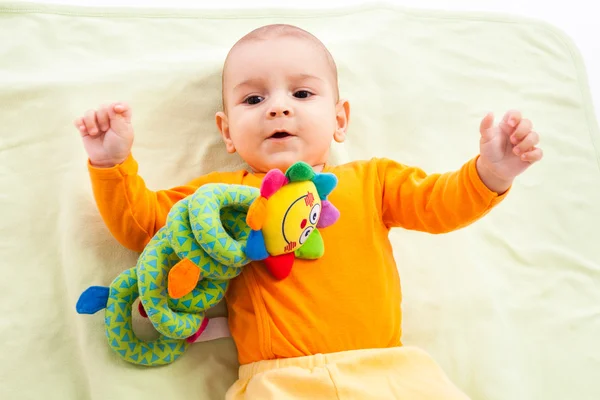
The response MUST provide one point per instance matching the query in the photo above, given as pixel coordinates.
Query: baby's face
(281, 104)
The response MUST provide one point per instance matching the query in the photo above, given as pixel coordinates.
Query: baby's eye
(253, 100)
(302, 94)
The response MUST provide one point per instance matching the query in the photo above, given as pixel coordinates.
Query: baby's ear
(342, 118)
(223, 126)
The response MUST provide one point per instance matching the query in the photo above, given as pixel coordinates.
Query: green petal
(313, 248)
(299, 172)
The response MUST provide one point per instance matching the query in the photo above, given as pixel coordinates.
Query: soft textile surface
(510, 307)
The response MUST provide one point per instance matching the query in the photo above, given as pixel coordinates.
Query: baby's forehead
(253, 49)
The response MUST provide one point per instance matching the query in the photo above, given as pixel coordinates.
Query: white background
(577, 18)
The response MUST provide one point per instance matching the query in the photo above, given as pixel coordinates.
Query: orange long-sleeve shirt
(350, 298)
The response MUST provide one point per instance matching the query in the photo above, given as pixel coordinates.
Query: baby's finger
(530, 141)
(102, 116)
(509, 122)
(533, 155)
(89, 120)
(78, 123)
(486, 127)
(123, 109)
(512, 118)
(523, 129)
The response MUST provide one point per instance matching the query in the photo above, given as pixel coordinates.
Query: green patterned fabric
(207, 228)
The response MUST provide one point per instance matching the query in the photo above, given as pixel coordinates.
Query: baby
(332, 328)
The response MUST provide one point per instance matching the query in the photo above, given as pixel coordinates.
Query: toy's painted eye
(315, 213)
(306, 234)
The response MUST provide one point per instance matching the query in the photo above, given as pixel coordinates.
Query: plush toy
(285, 218)
(209, 236)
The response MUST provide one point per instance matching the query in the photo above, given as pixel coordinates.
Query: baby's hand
(107, 134)
(506, 150)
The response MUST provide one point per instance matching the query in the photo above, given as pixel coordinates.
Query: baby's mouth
(280, 135)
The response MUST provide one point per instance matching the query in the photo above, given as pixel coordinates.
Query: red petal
(280, 266)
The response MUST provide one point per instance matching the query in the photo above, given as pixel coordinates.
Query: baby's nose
(279, 111)
(275, 113)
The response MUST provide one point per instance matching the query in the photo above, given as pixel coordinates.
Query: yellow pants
(392, 373)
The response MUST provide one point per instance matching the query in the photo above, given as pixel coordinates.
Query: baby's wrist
(101, 164)
(106, 163)
(492, 180)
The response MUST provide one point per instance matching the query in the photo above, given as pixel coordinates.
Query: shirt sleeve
(132, 212)
(434, 203)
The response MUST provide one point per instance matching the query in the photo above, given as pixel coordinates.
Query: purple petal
(329, 215)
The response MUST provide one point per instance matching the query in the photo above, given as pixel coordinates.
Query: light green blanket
(510, 307)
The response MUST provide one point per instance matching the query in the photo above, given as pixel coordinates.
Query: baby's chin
(281, 161)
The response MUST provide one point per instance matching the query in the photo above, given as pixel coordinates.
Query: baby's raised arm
(131, 211)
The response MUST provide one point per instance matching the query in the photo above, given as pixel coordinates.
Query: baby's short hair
(280, 30)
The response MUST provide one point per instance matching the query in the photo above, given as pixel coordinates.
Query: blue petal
(325, 183)
(255, 246)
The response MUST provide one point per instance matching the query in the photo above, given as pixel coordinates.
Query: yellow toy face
(292, 214)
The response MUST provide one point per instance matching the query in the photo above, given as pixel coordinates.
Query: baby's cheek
(246, 132)
(318, 124)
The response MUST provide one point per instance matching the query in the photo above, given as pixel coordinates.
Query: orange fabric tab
(183, 278)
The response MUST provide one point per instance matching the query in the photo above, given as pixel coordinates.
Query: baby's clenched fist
(107, 134)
